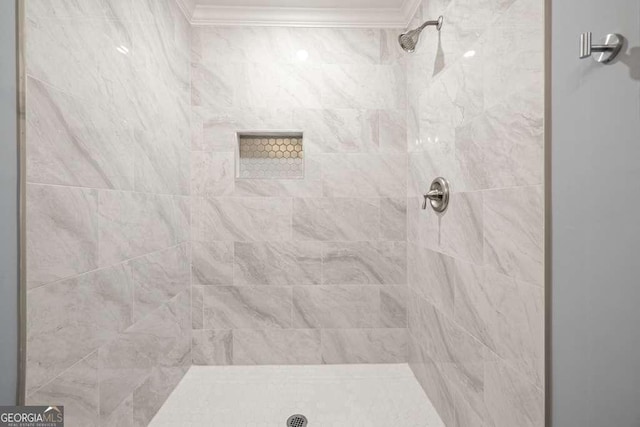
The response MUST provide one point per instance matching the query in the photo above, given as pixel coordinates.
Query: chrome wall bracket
(438, 195)
(605, 52)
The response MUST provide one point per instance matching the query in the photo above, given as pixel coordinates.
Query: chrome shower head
(409, 40)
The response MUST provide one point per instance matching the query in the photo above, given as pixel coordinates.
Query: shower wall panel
(108, 158)
(306, 270)
(475, 274)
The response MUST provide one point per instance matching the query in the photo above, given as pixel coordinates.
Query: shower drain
(297, 420)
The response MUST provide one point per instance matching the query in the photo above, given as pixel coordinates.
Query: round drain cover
(297, 420)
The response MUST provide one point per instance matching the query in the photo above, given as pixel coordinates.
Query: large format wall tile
(342, 225)
(475, 117)
(133, 224)
(335, 219)
(364, 175)
(212, 263)
(513, 232)
(361, 263)
(109, 209)
(236, 307)
(77, 390)
(242, 219)
(276, 347)
(62, 234)
(277, 263)
(212, 347)
(89, 310)
(158, 278)
(364, 345)
(75, 142)
(336, 307)
(338, 130)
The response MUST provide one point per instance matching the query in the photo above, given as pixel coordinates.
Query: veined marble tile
(277, 263)
(504, 146)
(390, 50)
(182, 218)
(393, 219)
(513, 232)
(364, 175)
(219, 125)
(236, 307)
(337, 45)
(242, 44)
(212, 174)
(276, 347)
(197, 307)
(281, 85)
(432, 380)
(158, 278)
(122, 416)
(393, 306)
(510, 400)
(432, 276)
(88, 310)
(476, 302)
(335, 219)
(63, 53)
(462, 227)
(66, 9)
(508, 69)
(363, 86)
(392, 131)
(149, 397)
(62, 233)
(506, 315)
(362, 263)
(75, 142)
(214, 85)
(160, 339)
(213, 347)
(161, 165)
(212, 263)
(338, 130)
(336, 306)
(364, 345)
(460, 356)
(132, 224)
(242, 219)
(77, 390)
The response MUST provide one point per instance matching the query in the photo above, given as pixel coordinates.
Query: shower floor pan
(327, 395)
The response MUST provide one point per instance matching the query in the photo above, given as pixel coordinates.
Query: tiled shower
(151, 250)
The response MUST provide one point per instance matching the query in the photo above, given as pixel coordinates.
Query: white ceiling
(341, 4)
(301, 13)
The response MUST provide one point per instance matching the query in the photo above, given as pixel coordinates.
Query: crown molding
(187, 7)
(301, 16)
(409, 9)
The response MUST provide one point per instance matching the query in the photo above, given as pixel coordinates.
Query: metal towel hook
(606, 51)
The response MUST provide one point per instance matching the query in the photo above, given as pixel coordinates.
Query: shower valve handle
(438, 195)
(432, 195)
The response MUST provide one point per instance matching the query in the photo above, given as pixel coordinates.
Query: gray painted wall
(8, 207)
(596, 219)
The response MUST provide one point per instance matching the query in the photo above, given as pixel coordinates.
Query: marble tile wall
(300, 271)
(475, 274)
(108, 207)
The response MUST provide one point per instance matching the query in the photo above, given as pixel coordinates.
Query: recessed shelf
(270, 155)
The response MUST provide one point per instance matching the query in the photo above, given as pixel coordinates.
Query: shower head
(409, 40)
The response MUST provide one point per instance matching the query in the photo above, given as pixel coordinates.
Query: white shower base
(328, 395)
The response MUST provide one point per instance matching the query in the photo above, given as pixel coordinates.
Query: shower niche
(270, 155)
